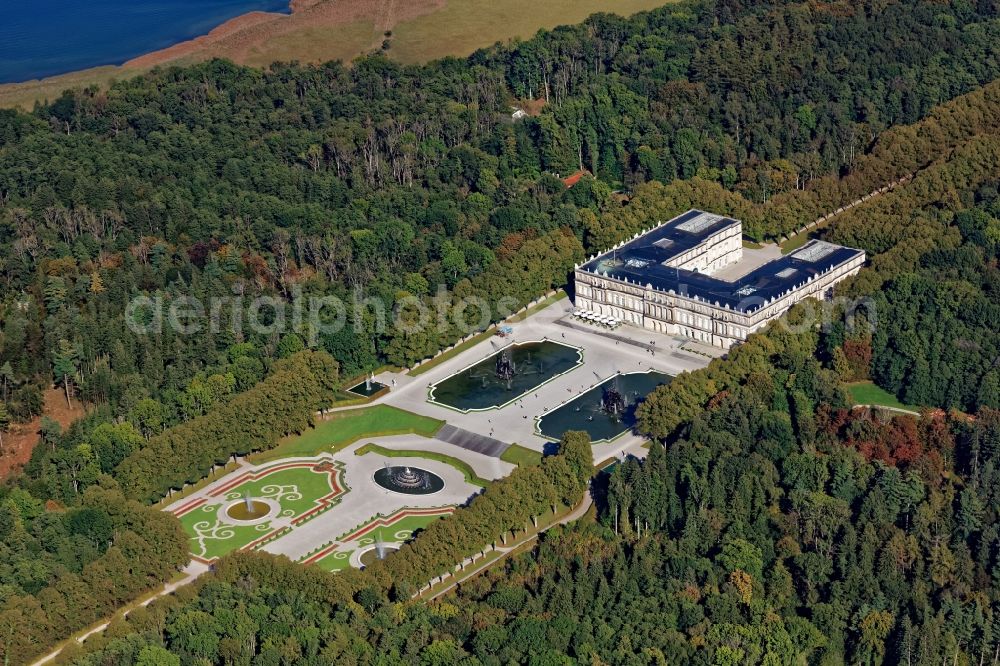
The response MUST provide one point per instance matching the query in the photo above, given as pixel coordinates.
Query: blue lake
(44, 37)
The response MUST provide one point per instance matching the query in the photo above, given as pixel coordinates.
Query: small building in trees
(666, 280)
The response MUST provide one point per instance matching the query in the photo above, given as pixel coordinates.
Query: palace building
(686, 277)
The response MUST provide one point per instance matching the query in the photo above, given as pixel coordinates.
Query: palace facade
(662, 280)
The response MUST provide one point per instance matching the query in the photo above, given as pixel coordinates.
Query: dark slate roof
(641, 261)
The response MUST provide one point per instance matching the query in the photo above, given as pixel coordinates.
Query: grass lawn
(399, 527)
(462, 466)
(297, 491)
(210, 538)
(451, 353)
(519, 455)
(797, 241)
(344, 428)
(338, 560)
(404, 529)
(867, 393)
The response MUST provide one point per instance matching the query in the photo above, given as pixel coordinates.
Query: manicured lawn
(297, 490)
(210, 538)
(404, 529)
(462, 466)
(344, 428)
(867, 393)
(797, 241)
(519, 455)
(398, 527)
(338, 560)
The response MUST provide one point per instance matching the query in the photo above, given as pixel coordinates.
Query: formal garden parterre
(294, 491)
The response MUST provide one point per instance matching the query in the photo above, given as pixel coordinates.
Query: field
(343, 428)
(460, 27)
(867, 393)
(322, 30)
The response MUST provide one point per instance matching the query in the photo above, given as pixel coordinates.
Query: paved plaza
(327, 510)
(328, 503)
(605, 353)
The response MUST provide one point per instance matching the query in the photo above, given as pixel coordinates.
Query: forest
(379, 181)
(215, 180)
(769, 524)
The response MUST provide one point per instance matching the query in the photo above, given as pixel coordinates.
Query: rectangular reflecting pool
(588, 410)
(505, 376)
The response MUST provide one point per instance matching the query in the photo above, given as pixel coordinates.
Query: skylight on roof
(786, 272)
(814, 251)
(663, 243)
(698, 224)
(637, 263)
(745, 290)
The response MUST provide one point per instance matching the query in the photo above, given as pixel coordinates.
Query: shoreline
(317, 31)
(223, 30)
(176, 50)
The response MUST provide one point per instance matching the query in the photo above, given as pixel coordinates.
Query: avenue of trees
(770, 523)
(784, 527)
(260, 609)
(386, 181)
(284, 403)
(63, 570)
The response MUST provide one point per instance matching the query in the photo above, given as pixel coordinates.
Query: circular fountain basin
(408, 480)
(372, 554)
(240, 511)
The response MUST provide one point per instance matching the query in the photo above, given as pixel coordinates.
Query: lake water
(44, 37)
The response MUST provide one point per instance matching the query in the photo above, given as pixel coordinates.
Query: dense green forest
(770, 524)
(216, 180)
(774, 526)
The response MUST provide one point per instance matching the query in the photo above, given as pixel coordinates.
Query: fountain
(604, 411)
(506, 375)
(247, 508)
(408, 480)
(378, 552)
(613, 402)
(505, 367)
(367, 388)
